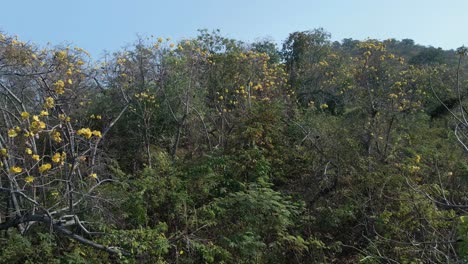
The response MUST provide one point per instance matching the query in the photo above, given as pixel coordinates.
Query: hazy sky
(98, 25)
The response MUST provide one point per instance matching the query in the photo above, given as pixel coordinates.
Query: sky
(108, 25)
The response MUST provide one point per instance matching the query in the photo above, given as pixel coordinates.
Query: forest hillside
(213, 150)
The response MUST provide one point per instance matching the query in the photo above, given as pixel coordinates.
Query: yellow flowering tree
(50, 162)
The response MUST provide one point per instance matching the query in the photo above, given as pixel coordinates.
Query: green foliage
(463, 238)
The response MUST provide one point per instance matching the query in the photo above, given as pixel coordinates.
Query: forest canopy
(214, 150)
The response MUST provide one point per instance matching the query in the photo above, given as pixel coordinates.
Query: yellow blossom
(70, 81)
(414, 169)
(56, 136)
(417, 159)
(25, 115)
(69, 72)
(45, 167)
(49, 102)
(36, 125)
(28, 151)
(323, 106)
(97, 133)
(93, 175)
(85, 132)
(59, 87)
(16, 169)
(56, 158)
(61, 55)
(36, 157)
(12, 133)
(44, 113)
(29, 179)
(4, 152)
(323, 63)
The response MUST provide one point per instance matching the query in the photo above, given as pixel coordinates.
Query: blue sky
(109, 25)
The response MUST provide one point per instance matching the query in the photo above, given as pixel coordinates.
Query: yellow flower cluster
(49, 103)
(63, 117)
(59, 87)
(323, 63)
(413, 169)
(36, 125)
(12, 133)
(25, 115)
(242, 90)
(97, 133)
(59, 157)
(56, 136)
(61, 55)
(45, 167)
(417, 159)
(144, 96)
(87, 133)
(29, 179)
(121, 61)
(16, 169)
